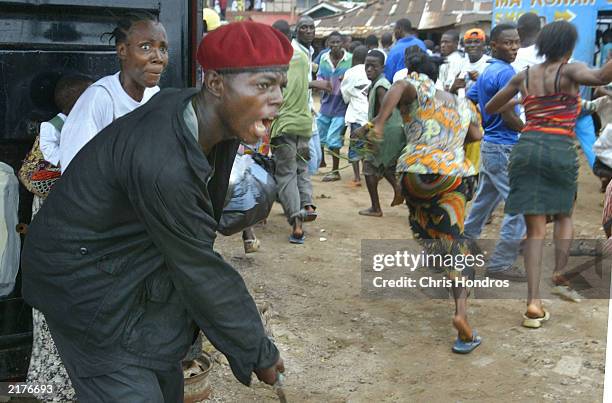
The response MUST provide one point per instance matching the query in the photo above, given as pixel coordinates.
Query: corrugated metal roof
(380, 16)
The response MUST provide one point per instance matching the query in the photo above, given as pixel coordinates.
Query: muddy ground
(341, 347)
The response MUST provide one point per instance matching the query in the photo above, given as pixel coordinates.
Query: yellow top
(212, 19)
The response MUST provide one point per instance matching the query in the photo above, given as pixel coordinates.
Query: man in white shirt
(474, 63)
(451, 68)
(354, 89)
(528, 27)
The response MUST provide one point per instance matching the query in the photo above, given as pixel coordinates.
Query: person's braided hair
(420, 62)
(125, 23)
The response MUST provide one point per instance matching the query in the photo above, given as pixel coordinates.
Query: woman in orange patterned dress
(434, 171)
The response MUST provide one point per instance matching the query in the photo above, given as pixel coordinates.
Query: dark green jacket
(120, 257)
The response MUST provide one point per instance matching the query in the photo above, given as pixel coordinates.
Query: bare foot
(297, 232)
(464, 330)
(370, 212)
(535, 310)
(354, 183)
(398, 199)
(562, 279)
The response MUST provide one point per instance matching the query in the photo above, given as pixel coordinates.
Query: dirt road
(341, 347)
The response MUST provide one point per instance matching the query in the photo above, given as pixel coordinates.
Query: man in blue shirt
(405, 39)
(500, 134)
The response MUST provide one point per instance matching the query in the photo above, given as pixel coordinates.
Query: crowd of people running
(448, 128)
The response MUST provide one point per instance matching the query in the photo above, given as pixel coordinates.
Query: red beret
(244, 46)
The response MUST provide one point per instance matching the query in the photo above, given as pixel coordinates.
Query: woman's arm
(474, 133)
(584, 75)
(602, 92)
(319, 84)
(400, 91)
(506, 94)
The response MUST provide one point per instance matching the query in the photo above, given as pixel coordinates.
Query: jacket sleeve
(173, 207)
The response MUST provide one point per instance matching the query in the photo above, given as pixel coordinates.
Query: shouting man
(120, 258)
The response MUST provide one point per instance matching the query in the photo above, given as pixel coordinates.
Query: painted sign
(582, 13)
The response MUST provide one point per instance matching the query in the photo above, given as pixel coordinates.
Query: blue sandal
(296, 240)
(466, 347)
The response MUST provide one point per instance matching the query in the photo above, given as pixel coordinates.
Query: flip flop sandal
(295, 240)
(581, 248)
(566, 293)
(466, 347)
(535, 323)
(251, 245)
(331, 177)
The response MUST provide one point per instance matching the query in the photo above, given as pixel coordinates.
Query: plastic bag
(252, 192)
(603, 146)
(9, 238)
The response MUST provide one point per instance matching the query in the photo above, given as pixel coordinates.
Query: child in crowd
(354, 89)
(41, 169)
(67, 91)
(381, 163)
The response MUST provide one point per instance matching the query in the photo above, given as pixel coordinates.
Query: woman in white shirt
(142, 49)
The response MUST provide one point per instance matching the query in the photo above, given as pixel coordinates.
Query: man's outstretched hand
(268, 375)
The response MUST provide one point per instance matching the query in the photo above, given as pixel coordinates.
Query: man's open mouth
(262, 127)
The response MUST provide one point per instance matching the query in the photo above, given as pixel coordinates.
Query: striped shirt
(332, 103)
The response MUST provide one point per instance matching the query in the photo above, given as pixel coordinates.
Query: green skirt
(543, 174)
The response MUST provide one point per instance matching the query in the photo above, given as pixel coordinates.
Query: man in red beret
(120, 258)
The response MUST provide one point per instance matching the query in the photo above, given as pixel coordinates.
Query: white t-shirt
(104, 101)
(526, 57)
(49, 141)
(400, 74)
(354, 92)
(449, 70)
(478, 66)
